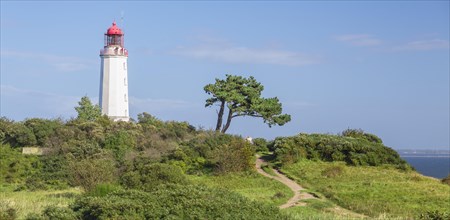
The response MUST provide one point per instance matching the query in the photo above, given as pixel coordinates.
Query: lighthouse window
(125, 66)
(125, 97)
(125, 81)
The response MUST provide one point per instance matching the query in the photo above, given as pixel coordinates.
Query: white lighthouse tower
(114, 76)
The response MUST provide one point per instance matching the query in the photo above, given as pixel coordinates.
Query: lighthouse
(114, 76)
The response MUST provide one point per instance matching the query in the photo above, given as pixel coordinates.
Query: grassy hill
(100, 169)
(377, 192)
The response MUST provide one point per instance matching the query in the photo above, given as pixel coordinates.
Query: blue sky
(380, 66)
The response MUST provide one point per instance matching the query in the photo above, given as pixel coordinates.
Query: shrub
(120, 142)
(261, 144)
(54, 171)
(34, 216)
(151, 176)
(34, 183)
(212, 151)
(59, 213)
(174, 202)
(170, 130)
(16, 134)
(359, 133)
(149, 120)
(82, 149)
(236, 156)
(354, 151)
(92, 171)
(43, 129)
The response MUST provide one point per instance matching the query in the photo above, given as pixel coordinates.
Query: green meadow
(378, 192)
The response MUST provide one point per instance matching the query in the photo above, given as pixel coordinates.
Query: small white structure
(249, 139)
(114, 76)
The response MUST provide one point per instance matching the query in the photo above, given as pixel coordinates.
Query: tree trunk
(220, 116)
(227, 125)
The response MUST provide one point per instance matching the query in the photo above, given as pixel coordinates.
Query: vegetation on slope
(354, 147)
(356, 171)
(382, 191)
(85, 153)
(173, 202)
(148, 160)
(248, 184)
(23, 203)
(143, 161)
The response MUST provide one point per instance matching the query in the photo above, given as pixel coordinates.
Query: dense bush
(71, 146)
(173, 202)
(150, 176)
(260, 144)
(54, 171)
(89, 172)
(60, 213)
(43, 129)
(167, 130)
(213, 152)
(16, 134)
(53, 213)
(119, 143)
(353, 150)
(235, 156)
(360, 134)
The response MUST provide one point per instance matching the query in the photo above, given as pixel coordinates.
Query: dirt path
(296, 200)
(298, 195)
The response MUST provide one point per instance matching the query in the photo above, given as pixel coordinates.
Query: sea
(434, 163)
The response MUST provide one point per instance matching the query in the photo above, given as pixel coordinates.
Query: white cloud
(150, 105)
(18, 103)
(359, 39)
(226, 52)
(434, 44)
(60, 63)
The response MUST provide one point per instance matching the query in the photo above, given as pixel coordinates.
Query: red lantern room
(114, 36)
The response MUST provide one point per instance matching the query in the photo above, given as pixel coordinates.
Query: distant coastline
(439, 156)
(433, 162)
(423, 153)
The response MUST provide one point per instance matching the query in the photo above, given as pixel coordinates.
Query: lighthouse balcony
(113, 51)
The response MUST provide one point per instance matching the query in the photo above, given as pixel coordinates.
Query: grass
(380, 192)
(263, 189)
(311, 212)
(250, 185)
(26, 202)
(268, 169)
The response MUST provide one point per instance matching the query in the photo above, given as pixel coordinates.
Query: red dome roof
(114, 30)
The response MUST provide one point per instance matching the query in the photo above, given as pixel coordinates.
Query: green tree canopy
(87, 111)
(242, 97)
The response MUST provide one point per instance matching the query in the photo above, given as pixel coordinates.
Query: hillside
(373, 191)
(100, 169)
